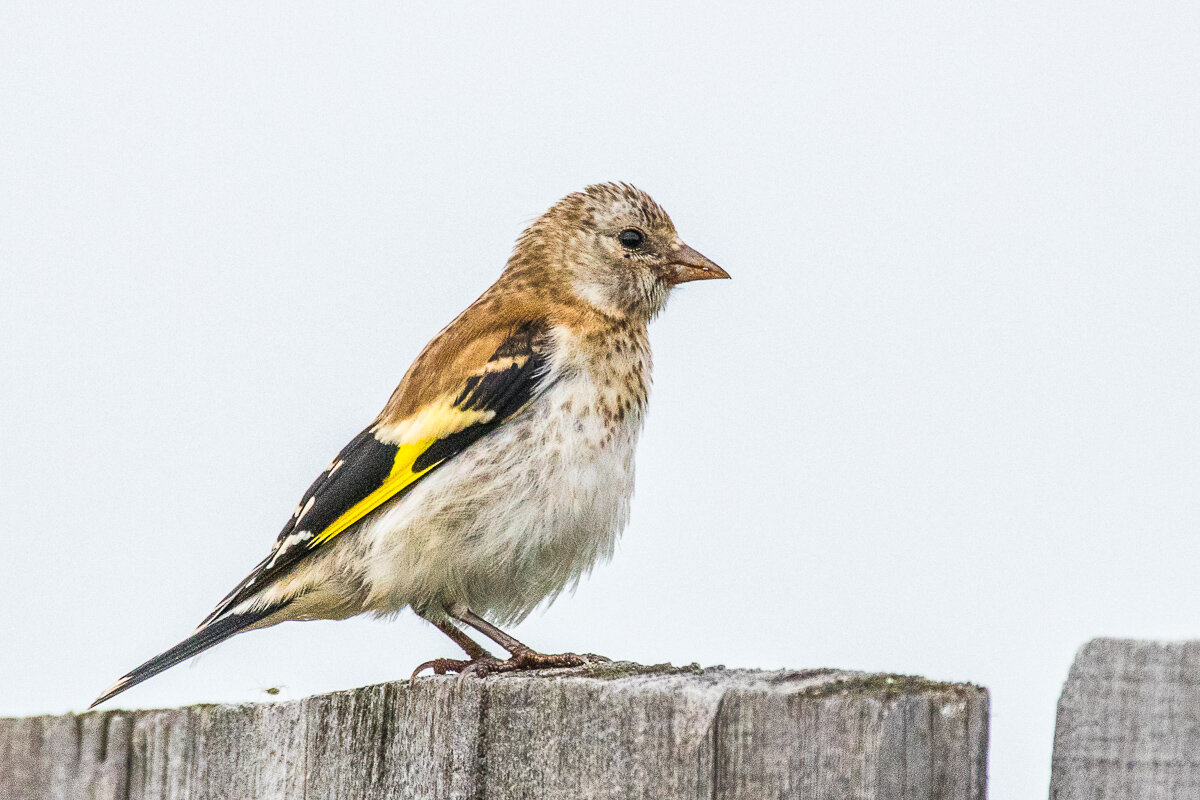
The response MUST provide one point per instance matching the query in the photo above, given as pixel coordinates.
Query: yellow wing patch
(402, 475)
(413, 436)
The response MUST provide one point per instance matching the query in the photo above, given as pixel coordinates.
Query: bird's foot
(522, 659)
(526, 659)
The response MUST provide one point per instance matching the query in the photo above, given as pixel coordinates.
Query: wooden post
(606, 731)
(1129, 722)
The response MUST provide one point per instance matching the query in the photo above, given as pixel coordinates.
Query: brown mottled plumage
(501, 468)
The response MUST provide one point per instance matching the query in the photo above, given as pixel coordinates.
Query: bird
(501, 469)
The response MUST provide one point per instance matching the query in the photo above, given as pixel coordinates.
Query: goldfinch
(501, 469)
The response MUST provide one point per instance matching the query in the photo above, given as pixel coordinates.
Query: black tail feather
(210, 635)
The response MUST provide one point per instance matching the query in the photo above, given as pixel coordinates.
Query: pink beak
(688, 265)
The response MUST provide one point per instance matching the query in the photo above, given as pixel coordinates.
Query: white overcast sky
(943, 421)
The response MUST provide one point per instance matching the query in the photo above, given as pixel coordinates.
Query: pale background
(943, 420)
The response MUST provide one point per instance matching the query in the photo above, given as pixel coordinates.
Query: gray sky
(942, 421)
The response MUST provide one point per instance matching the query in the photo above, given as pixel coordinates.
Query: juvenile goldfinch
(501, 469)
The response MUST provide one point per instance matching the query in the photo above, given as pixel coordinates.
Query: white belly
(512, 520)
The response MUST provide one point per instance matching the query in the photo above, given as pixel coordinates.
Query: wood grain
(1129, 722)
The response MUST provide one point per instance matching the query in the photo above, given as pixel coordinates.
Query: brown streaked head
(614, 248)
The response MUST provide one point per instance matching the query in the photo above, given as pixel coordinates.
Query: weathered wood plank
(606, 731)
(619, 736)
(64, 758)
(822, 733)
(1129, 722)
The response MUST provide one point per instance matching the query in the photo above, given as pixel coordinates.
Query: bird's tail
(207, 636)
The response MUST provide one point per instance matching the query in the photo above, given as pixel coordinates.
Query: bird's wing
(454, 394)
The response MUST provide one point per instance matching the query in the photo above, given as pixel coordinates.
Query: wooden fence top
(616, 730)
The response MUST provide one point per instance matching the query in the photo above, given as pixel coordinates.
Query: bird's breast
(592, 414)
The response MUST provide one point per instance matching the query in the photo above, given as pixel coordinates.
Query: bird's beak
(688, 265)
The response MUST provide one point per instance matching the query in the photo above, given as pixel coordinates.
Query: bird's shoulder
(493, 328)
(517, 319)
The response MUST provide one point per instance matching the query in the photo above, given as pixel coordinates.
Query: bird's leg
(441, 666)
(469, 645)
(489, 630)
(523, 656)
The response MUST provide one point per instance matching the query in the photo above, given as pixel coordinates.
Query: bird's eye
(631, 238)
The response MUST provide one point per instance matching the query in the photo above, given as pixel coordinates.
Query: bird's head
(614, 248)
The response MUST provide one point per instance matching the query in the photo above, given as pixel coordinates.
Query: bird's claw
(440, 666)
(480, 668)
